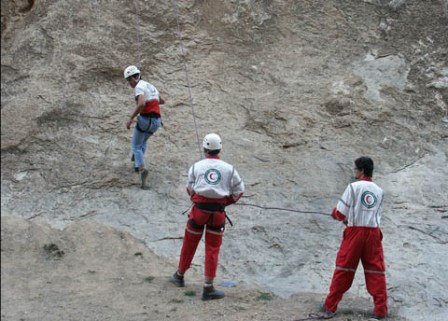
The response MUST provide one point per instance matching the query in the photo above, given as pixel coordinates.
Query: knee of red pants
(191, 240)
(192, 233)
(213, 241)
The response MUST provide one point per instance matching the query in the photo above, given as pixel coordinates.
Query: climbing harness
(211, 207)
(220, 207)
(187, 76)
(143, 130)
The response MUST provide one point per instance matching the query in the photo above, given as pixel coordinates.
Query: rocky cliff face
(296, 89)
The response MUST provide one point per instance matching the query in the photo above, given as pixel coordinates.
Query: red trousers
(360, 243)
(214, 225)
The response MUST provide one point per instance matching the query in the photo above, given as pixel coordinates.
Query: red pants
(360, 243)
(214, 222)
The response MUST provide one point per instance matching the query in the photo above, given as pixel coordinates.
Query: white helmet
(130, 71)
(212, 142)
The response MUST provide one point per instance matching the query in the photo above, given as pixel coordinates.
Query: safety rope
(179, 35)
(282, 209)
(271, 208)
(137, 27)
(317, 316)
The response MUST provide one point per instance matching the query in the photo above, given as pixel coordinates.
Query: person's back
(213, 178)
(367, 204)
(360, 208)
(151, 97)
(212, 185)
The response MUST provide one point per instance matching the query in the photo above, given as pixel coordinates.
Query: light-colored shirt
(215, 179)
(145, 88)
(362, 204)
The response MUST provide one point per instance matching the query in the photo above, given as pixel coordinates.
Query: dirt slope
(92, 272)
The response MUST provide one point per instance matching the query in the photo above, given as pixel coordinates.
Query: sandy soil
(92, 272)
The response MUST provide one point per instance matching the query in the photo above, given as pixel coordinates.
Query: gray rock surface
(296, 89)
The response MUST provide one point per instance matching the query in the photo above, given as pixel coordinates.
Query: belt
(150, 115)
(212, 207)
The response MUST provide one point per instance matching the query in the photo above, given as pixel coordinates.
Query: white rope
(187, 77)
(137, 27)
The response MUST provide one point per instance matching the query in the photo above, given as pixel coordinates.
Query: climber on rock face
(148, 115)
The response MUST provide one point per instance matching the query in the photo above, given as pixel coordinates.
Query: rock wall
(297, 90)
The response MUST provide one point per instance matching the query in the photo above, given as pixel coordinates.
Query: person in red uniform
(212, 185)
(360, 209)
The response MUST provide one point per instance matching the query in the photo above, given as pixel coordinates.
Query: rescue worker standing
(212, 185)
(148, 114)
(360, 209)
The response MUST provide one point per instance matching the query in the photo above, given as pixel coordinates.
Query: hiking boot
(210, 293)
(144, 176)
(326, 314)
(373, 316)
(177, 280)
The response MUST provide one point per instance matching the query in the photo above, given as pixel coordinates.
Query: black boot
(144, 177)
(210, 293)
(177, 280)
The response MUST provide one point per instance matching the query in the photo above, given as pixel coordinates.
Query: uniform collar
(212, 156)
(365, 178)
